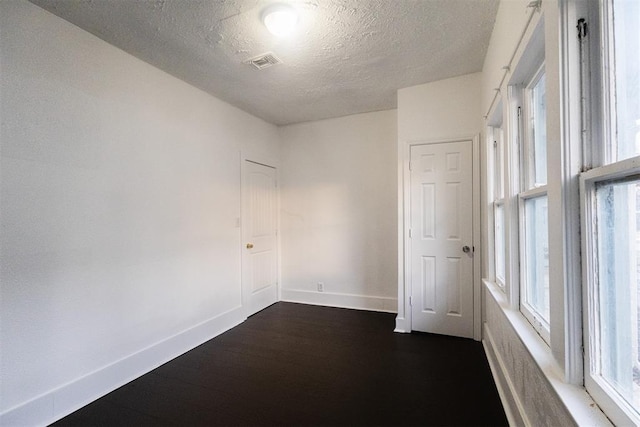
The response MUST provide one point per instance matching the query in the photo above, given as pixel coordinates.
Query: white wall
(120, 193)
(338, 211)
(437, 111)
(440, 110)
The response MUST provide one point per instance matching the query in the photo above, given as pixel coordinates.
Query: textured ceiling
(346, 56)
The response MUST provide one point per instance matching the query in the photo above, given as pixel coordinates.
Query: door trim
(403, 320)
(243, 296)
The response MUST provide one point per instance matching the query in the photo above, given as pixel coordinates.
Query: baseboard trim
(51, 406)
(511, 403)
(358, 302)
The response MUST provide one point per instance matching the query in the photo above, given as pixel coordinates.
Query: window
(538, 131)
(496, 196)
(612, 251)
(500, 248)
(610, 195)
(536, 257)
(617, 255)
(626, 85)
(533, 216)
(499, 208)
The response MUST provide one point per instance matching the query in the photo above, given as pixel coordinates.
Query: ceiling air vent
(263, 61)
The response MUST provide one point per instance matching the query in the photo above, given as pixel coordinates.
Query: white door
(441, 238)
(259, 248)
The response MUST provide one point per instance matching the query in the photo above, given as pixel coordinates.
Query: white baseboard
(511, 403)
(358, 302)
(53, 405)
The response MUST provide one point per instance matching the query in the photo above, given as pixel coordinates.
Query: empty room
(320, 212)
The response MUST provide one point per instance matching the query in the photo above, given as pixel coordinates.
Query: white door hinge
(410, 301)
(409, 233)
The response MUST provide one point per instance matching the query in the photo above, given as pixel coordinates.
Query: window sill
(575, 399)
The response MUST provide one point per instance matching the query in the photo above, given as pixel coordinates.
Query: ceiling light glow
(280, 19)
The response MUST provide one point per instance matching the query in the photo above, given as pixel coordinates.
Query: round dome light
(280, 19)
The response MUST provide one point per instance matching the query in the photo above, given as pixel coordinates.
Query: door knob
(249, 245)
(466, 249)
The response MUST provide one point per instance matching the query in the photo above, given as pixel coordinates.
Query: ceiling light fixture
(280, 19)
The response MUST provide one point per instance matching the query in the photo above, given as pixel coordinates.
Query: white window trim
(574, 156)
(499, 164)
(539, 323)
(562, 361)
(500, 281)
(523, 178)
(616, 408)
(599, 148)
(496, 184)
(528, 150)
(607, 116)
(512, 187)
(499, 199)
(489, 189)
(579, 403)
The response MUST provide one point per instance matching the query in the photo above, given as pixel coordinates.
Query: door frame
(241, 221)
(403, 319)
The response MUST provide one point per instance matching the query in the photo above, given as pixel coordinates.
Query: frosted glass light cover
(280, 20)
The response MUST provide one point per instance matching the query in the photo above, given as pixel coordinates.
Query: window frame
(528, 188)
(501, 281)
(537, 320)
(606, 396)
(499, 164)
(496, 188)
(499, 201)
(528, 149)
(600, 165)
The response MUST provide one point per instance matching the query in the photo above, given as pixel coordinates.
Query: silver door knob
(466, 249)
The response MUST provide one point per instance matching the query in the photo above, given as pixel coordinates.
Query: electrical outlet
(320, 287)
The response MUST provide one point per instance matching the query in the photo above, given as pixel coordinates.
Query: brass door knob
(249, 245)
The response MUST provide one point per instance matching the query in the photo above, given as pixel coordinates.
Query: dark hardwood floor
(295, 364)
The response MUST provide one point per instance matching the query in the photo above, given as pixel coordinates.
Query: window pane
(500, 235)
(618, 260)
(539, 131)
(498, 161)
(627, 65)
(536, 259)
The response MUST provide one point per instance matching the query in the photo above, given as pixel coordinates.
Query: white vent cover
(263, 61)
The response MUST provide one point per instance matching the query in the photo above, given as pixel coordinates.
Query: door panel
(441, 225)
(259, 248)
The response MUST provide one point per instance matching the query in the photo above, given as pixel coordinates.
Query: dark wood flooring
(295, 364)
